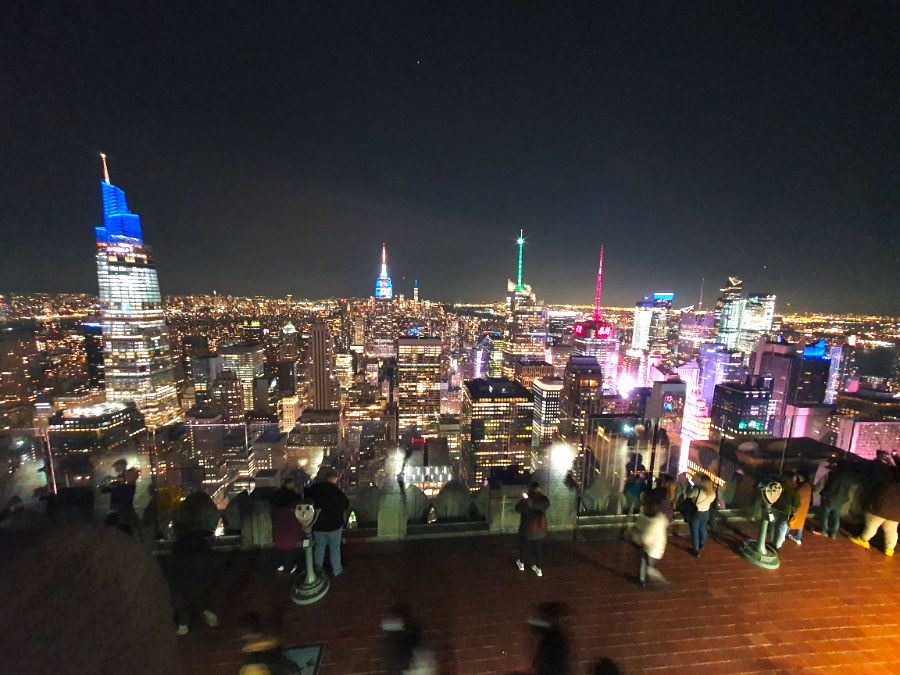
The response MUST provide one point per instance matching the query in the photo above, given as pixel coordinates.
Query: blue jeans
(332, 540)
(778, 529)
(831, 519)
(698, 525)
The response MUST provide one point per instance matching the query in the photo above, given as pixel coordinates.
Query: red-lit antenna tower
(599, 287)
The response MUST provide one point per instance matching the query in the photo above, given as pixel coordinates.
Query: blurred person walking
(532, 509)
(650, 534)
(328, 528)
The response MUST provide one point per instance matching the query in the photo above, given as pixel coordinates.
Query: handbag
(688, 508)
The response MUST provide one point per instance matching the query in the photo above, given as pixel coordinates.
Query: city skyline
(704, 159)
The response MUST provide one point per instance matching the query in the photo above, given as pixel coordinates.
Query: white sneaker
(520, 565)
(280, 569)
(293, 569)
(211, 619)
(537, 570)
(182, 630)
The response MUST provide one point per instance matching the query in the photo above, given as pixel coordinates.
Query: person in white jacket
(652, 532)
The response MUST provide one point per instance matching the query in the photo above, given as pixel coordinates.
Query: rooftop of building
(495, 387)
(827, 607)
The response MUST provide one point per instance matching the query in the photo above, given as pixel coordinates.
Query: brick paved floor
(830, 606)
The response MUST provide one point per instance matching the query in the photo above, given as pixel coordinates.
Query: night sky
(271, 151)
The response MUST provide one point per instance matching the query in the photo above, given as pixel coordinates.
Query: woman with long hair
(703, 497)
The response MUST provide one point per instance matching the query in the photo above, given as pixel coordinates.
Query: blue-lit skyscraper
(383, 287)
(137, 359)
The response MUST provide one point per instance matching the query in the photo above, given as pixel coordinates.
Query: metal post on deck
(759, 552)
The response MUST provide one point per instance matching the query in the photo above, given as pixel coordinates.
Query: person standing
(834, 493)
(783, 509)
(286, 530)
(332, 504)
(883, 511)
(798, 520)
(532, 509)
(703, 497)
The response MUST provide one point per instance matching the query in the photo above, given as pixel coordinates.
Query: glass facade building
(137, 358)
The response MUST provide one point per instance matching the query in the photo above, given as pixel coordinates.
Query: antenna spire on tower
(599, 287)
(105, 169)
(383, 259)
(700, 304)
(520, 241)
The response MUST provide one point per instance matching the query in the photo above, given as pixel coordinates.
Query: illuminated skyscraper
(525, 332)
(729, 309)
(495, 425)
(137, 358)
(756, 321)
(383, 286)
(320, 366)
(247, 362)
(547, 394)
(382, 338)
(419, 383)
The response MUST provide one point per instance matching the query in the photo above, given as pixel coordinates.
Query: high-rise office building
(205, 369)
(598, 339)
(547, 396)
(729, 309)
(799, 378)
(320, 366)
(419, 383)
(228, 396)
(495, 426)
(717, 364)
(93, 352)
(527, 369)
(246, 361)
(696, 328)
(289, 343)
(756, 321)
(842, 366)
(741, 408)
(137, 359)
(654, 325)
(582, 392)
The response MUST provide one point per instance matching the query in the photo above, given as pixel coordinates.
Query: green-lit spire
(521, 242)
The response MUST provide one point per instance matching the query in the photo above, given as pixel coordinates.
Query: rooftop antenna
(599, 287)
(520, 241)
(383, 259)
(105, 169)
(700, 304)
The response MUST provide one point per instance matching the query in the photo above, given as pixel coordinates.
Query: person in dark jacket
(783, 510)
(192, 579)
(332, 504)
(532, 509)
(834, 493)
(883, 512)
(286, 530)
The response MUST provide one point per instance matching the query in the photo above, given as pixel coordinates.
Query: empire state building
(136, 356)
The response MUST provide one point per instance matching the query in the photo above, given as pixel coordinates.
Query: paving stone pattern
(831, 606)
